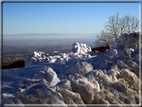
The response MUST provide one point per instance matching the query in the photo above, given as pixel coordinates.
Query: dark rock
(101, 49)
(17, 64)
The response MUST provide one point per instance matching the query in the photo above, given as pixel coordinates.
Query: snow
(48, 75)
(78, 77)
(77, 67)
(131, 40)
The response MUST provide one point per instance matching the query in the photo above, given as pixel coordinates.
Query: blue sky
(61, 18)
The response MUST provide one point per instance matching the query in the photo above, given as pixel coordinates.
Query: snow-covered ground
(79, 77)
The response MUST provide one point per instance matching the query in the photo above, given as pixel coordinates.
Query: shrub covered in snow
(130, 40)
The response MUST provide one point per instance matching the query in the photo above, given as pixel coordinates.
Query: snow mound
(49, 75)
(81, 48)
(85, 88)
(130, 40)
(78, 77)
(77, 67)
(40, 94)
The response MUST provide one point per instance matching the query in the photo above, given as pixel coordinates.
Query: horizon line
(46, 34)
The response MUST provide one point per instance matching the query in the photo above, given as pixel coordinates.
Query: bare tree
(112, 25)
(116, 26)
(132, 24)
(104, 39)
(122, 25)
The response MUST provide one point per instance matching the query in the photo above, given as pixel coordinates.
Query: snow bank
(77, 67)
(130, 40)
(49, 75)
(79, 50)
(79, 77)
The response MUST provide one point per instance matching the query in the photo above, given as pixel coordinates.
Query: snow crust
(79, 77)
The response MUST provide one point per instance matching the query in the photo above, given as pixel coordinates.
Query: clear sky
(61, 18)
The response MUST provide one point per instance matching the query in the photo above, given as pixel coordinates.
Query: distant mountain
(47, 34)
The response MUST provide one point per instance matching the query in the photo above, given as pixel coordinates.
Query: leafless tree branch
(116, 26)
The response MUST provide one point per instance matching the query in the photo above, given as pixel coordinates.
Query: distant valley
(15, 53)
